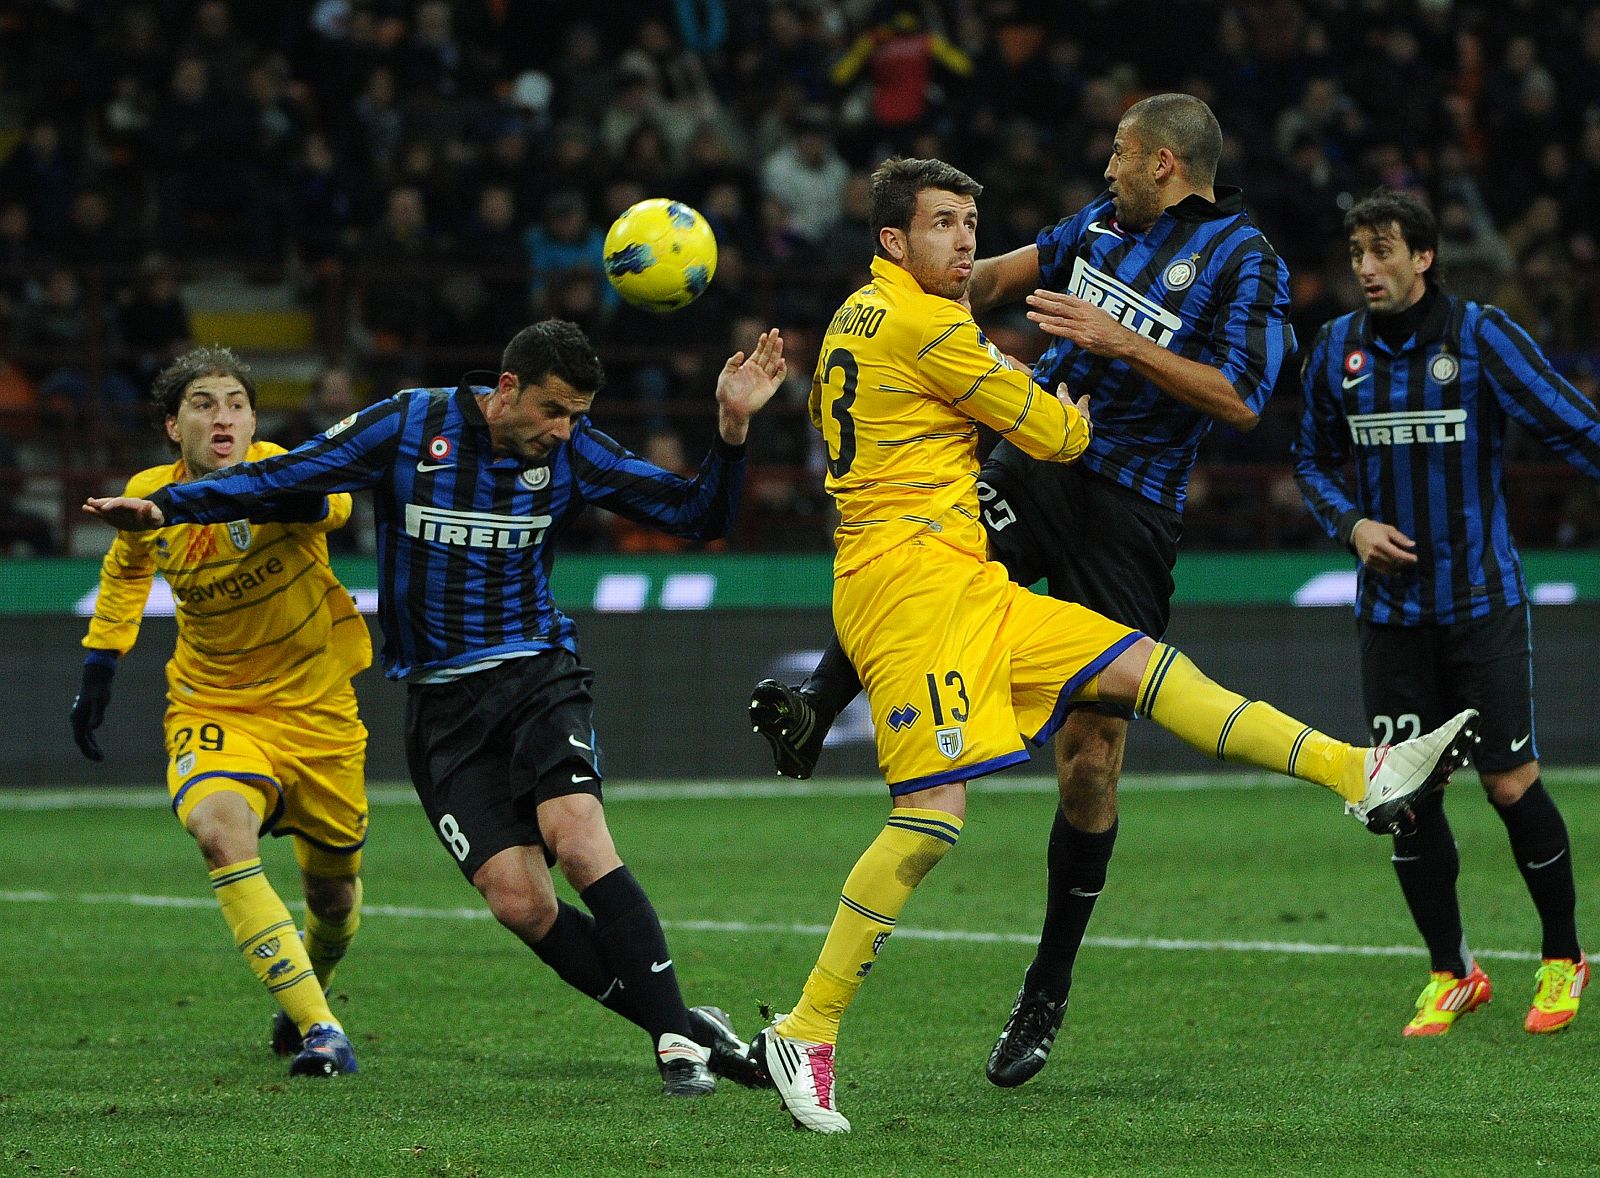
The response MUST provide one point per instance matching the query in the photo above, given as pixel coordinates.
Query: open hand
(746, 383)
(125, 514)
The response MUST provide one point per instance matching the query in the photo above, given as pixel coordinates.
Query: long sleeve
(1322, 447)
(1537, 396)
(962, 368)
(126, 574)
(343, 459)
(1252, 336)
(701, 508)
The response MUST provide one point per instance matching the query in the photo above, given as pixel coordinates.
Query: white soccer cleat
(1399, 774)
(802, 1072)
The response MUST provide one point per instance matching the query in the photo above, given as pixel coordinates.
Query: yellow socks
(906, 849)
(326, 942)
(1221, 724)
(265, 934)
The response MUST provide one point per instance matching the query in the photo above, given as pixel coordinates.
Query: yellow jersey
(261, 617)
(902, 379)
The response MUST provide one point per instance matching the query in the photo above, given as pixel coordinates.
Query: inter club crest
(1444, 368)
(1180, 274)
(535, 478)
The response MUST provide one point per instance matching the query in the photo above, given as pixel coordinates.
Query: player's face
(1392, 277)
(531, 421)
(1131, 175)
(214, 425)
(939, 246)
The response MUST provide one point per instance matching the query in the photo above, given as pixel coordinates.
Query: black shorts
(1414, 678)
(1090, 540)
(485, 749)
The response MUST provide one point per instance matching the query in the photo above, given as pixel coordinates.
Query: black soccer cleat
(1024, 1046)
(682, 1063)
(791, 725)
(286, 1038)
(731, 1057)
(326, 1051)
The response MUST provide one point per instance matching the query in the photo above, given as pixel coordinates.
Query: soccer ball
(660, 255)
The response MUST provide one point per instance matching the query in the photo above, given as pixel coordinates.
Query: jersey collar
(1194, 207)
(1430, 328)
(885, 271)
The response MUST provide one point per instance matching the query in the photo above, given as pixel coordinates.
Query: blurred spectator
(808, 176)
(64, 344)
(492, 248)
(39, 173)
(902, 58)
(23, 532)
(332, 398)
(324, 206)
(195, 130)
(376, 125)
(396, 278)
(561, 240)
(154, 320)
(93, 238)
(666, 450)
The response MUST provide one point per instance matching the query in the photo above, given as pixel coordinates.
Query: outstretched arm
(746, 384)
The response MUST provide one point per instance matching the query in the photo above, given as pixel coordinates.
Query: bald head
(1183, 125)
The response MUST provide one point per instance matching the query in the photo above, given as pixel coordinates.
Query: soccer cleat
(1024, 1045)
(786, 718)
(802, 1072)
(1560, 981)
(683, 1067)
(286, 1039)
(325, 1052)
(731, 1057)
(1446, 998)
(1399, 774)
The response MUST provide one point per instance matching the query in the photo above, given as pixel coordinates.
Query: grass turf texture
(135, 1039)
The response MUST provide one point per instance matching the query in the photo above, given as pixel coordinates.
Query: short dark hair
(897, 181)
(553, 347)
(1418, 227)
(1185, 126)
(173, 380)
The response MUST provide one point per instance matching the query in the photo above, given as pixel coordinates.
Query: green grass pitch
(1237, 1012)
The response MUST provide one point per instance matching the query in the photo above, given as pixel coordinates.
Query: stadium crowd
(426, 177)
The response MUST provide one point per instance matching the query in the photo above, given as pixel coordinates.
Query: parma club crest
(239, 533)
(951, 741)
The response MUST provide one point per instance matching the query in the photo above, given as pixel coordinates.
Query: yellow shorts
(302, 772)
(960, 664)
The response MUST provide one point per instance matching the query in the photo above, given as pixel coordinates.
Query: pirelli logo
(1124, 304)
(474, 529)
(1405, 429)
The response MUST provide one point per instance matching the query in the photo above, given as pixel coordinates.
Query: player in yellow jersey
(960, 664)
(262, 734)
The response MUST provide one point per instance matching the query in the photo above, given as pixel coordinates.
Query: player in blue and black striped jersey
(1417, 390)
(1169, 309)
(472, 487)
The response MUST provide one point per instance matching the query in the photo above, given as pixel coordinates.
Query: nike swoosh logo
(1350, 382)
(658, 966)
(1517, 745)
(1547, 862)
(1109, 232)
(577, 780)
(578, 744)
(430, 467)
(1080, 892)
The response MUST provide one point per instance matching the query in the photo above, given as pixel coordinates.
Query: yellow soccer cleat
(1555, 1000)
(1446, 998)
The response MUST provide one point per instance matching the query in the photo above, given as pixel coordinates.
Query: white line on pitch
(137, 798)
(736, 927)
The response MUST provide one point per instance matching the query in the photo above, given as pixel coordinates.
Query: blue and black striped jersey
(1203, 282)
(466, 538)
(1425, 423)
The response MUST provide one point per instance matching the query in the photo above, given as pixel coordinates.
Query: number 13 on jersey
(838, 428)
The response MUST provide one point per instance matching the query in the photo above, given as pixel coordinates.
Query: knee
(330, 899)
(1506, 789)
(225, 829)
(1089, 756)
(521, 909)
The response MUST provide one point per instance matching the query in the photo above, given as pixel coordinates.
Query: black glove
(94, 696)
